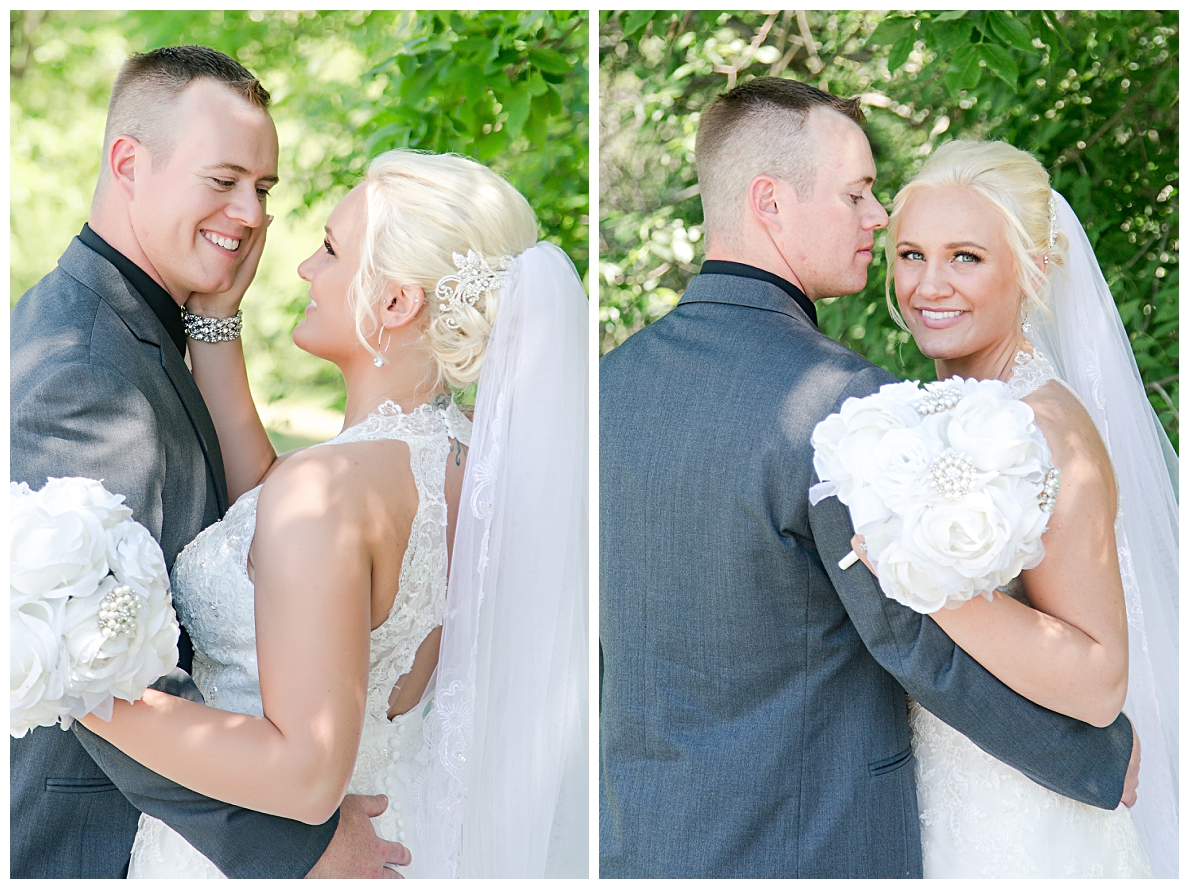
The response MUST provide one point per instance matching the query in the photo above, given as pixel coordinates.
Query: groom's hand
(1131, 780)
(355, 852)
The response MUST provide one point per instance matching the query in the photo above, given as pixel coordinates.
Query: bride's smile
(955, 280)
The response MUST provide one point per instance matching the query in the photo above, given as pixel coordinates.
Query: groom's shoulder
(60, 322)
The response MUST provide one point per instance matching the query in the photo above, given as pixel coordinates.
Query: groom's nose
(246, 208)
(877, 218)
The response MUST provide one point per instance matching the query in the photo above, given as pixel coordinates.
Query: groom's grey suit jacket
(99, 390)
(753, 711)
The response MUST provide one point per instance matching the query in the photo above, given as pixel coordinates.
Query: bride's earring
(379, 361)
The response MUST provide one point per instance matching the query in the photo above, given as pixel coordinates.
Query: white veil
(1089, 348)
(507, 735)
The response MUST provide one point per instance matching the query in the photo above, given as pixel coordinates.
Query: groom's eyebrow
(243, 171)
(862, 180)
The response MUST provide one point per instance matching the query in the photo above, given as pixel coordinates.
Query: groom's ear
(763, 203)
(121, 159)
(402, 305)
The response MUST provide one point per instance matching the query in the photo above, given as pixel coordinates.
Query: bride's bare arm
(312, 560)
(1069, 651)
(222, 377)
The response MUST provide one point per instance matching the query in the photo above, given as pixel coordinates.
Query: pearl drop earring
(379, 361)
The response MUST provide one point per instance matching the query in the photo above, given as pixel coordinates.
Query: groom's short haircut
(758, 128)
(149, 85)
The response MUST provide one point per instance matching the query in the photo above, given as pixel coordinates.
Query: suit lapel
(95, 272)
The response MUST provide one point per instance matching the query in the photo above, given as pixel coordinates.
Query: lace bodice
(982, 818)
(1029, 373)
(215, 599)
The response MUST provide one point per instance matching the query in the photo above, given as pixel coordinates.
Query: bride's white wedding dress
(982, 818)
(215, 602)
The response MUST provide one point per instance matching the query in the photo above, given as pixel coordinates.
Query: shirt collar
(154, 295)
(742, 270)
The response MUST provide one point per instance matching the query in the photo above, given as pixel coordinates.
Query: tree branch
(1160, 389)
(1076, 153)
(813, 62)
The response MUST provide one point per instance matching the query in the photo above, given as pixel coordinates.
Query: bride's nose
(933, 283)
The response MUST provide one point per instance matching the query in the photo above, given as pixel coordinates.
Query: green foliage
(1093, 95)
(508, 89)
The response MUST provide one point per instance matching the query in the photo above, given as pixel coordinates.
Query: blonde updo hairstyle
(1017, 186)
(421, 210)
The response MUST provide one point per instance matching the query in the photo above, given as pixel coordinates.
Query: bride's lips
(940, 319)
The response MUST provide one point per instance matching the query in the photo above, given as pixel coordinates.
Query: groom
(100, 389)
(753, 716)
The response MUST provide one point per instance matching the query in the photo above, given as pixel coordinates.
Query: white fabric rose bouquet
(91, 616)
(951, 485)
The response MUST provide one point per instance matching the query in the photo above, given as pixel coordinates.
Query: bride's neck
(993, 363)
(408, 378)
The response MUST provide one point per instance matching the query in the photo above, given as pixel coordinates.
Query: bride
(401, 610)
(975, 245)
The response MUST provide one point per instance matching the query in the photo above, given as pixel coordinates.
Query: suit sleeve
(1063, 754)
(89, 421)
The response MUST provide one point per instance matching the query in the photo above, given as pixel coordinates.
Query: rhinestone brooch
(117, 612)
(952, 475)
(937, 400)
(1052, 484)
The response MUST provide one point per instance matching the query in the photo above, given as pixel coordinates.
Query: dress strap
(1029, 373)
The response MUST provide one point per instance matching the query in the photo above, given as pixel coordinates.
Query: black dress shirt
(742, 270)
(154, 295)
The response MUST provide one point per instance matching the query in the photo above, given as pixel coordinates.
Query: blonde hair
(1016, 185)
(421, 210)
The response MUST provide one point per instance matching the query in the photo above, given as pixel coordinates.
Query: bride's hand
(226, 304)
(858, 544)
(1131, 779)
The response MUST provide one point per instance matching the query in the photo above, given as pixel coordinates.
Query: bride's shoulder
(330, 480)
(1073, 439)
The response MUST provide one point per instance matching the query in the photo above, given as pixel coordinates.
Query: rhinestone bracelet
(212, 330)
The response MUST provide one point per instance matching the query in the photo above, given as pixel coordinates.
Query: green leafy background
(1093, 95)
(509, 89)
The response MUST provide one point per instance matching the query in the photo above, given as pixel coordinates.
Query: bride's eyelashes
(964, 257)
(329, 249)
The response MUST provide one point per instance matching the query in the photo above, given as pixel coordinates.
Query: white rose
(69, 494)
(845, 443)
(899, 466)
(136, 560)
(119, 665)
(997, 433)
(51, 554)
(922, 586)
(968, 535)
(35, 673)
(1017, 497)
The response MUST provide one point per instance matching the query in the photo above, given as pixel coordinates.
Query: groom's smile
(196, 207)
(228, 244)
